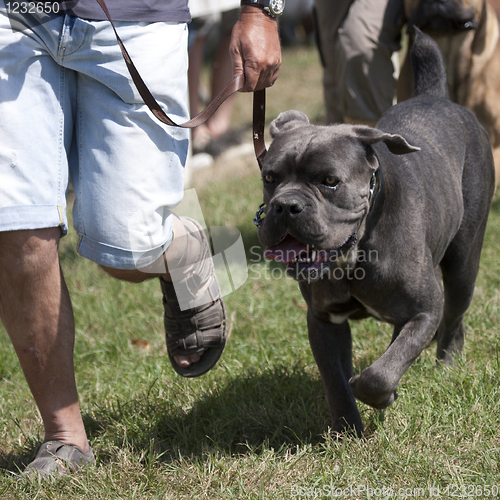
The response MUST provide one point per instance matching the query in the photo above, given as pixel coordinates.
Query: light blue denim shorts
(68, 109)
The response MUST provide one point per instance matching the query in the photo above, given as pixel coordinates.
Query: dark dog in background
(385, 222)
(467, 33)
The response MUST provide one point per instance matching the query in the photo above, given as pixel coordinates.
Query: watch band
(273, 8)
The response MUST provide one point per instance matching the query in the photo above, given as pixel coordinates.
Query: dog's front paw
(372, 389)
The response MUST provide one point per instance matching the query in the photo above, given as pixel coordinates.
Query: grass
(256, 426)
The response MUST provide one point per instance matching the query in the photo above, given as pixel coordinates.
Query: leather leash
(259, 122)
(259, 100)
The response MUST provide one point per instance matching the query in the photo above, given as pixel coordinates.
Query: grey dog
(385, 222)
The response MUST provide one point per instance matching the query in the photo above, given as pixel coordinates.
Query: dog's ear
(286, 121)
(397, 144)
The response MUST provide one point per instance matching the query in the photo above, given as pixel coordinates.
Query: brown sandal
(54, 458)
(195, 315)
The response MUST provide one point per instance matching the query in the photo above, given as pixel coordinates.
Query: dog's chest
(336, 308)
(338, 313)
(353, 309)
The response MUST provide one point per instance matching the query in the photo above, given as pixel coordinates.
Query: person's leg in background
(329, 16)
(219, 124)
(358, 72)
(198, 32)
(214, 135)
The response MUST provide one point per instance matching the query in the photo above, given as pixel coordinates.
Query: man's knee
(28, 253)
(27, 258)
(131, 275)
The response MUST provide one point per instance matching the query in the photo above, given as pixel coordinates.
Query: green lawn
(256, 426)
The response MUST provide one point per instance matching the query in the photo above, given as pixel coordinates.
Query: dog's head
(318, 182)
(443, 16)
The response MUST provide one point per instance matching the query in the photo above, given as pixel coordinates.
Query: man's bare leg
(36, 310)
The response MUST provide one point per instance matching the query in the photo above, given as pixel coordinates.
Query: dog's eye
(331, 182)
(268, 179)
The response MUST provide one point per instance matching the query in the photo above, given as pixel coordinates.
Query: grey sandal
(195, 315)
(54, 458)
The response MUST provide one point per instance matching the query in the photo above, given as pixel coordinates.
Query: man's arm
(255, 48)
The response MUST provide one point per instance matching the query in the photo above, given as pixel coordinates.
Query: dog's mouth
(305, 262)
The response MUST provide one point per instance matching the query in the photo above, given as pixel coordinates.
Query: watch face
(276, 7)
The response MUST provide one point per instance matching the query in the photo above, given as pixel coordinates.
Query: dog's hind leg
(331, 345)
(460, 264)
(459, 267)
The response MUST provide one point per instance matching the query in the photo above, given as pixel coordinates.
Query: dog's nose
(290, 206)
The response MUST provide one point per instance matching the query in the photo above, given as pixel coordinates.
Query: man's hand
(255, 48)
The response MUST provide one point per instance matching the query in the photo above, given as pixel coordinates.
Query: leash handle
(259, 104)
(259, 123)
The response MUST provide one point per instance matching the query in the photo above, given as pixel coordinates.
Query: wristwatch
(272, 7)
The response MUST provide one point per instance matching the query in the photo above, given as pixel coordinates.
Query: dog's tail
(429, 73)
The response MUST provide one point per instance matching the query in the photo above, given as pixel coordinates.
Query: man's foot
(195, 315)
(54, 458)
